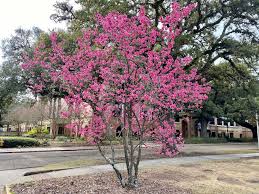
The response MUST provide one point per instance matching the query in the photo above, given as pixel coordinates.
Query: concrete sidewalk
(107, 168)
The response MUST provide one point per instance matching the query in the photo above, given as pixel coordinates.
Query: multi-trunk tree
(124, 70)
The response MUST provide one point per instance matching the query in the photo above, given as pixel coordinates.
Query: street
(12, 161)
(14, 165)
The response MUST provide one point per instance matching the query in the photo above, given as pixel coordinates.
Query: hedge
(11, 142)
(201, 140)
(241, 140)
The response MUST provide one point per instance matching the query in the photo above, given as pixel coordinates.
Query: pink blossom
(118, 71)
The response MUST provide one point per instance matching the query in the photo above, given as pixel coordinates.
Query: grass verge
(210, 177)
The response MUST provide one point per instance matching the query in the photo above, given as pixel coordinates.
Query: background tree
(12, 81)
(85, 15)
(232, 96)
(39, 76)
(217, 29)
(26, 112)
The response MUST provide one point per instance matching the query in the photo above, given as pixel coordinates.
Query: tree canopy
(12, 81)
(216, 30)
(233, 96)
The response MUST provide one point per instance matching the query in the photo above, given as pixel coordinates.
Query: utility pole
(257, 127)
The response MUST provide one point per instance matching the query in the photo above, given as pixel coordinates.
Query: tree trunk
(8, 127)
(249, 126)
(58, 108)
(254, 131)
(204, 125)
(18, 129)
(50, 107)
(54, 119)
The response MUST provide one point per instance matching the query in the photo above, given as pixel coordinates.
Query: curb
(57, 150)
(45, 171)
(7, 190)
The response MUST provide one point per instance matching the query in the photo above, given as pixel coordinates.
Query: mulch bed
(100, 184)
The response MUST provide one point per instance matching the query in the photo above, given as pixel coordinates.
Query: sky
(26, 14)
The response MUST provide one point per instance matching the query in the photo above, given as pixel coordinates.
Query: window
(231, 135)
(213, 134)
(241, 135)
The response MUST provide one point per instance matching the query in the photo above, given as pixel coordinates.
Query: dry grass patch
(236, 176)
(73, 164)
(230, 177)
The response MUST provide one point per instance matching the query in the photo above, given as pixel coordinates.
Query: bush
(11, 142)
(241, 140)
(201, 140)
(37, 132)
(1, 142)
(62, 138)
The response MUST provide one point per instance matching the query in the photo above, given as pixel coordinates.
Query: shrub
(37, 132)
(11, 142)
(1, 142)
(200, 140)
(62, 138)
(32, 132)
(241, 140)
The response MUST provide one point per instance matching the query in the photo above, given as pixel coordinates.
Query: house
(188, 125)
(219, 128)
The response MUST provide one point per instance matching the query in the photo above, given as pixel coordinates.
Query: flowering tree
(123, 68)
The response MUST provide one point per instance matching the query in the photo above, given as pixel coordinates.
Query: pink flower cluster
(125, 65)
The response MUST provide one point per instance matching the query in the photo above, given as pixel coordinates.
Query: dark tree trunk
(204, 125)
(8, 126)
(19, 130)
(54, 119)
(249, 126)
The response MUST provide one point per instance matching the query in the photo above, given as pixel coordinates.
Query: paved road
(11, 161)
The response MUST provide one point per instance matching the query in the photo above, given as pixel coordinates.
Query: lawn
(235, 176)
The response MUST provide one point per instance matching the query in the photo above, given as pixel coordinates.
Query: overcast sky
(25, 14)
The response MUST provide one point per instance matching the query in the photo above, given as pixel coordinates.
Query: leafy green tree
(233, 96)
(52, 90)
(216, 30)
(14, 49)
